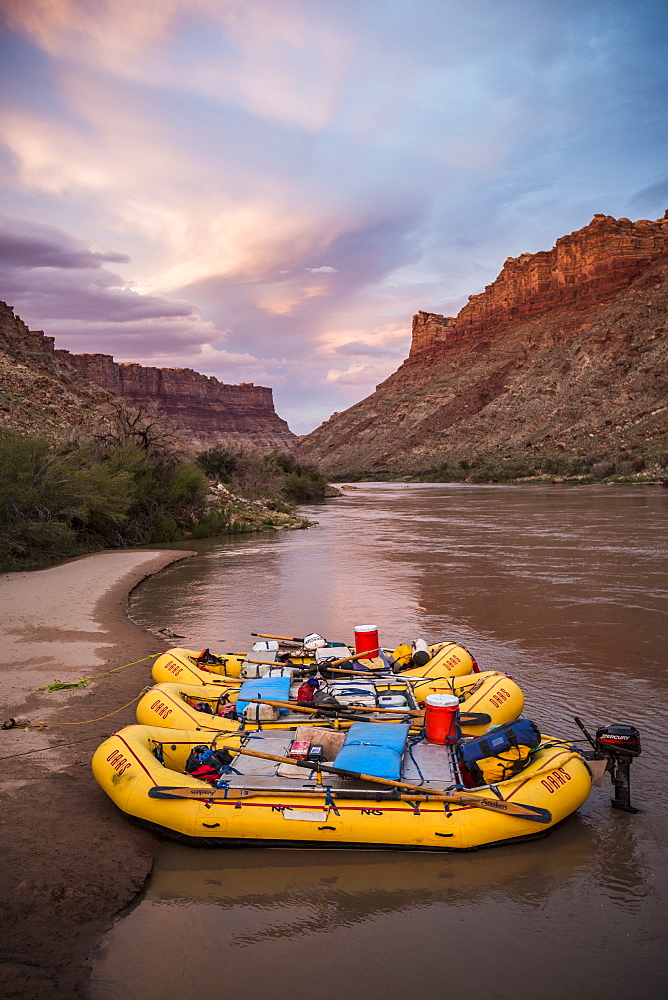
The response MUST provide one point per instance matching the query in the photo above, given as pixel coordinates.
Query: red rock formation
(207, 412)
(46, 389)
(564, 352)
(583, 269)
(430, 332)
(38, 393)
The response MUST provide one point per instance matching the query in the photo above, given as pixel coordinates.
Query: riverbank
(70, 861)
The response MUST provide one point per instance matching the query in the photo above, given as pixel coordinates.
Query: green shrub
(58, 500)
(301, 483)
(267, 477)
(219, 463)
(54, 501)
(129, 487)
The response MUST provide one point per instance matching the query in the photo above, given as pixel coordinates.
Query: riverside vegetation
(626, 467)
(130, 485)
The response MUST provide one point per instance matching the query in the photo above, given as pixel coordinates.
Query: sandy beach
(70, 861)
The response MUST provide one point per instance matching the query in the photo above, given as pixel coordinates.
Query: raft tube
(448, 659)
(127, 768)
(490, 693)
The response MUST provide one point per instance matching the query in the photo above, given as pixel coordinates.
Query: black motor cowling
(620, 744)
(617, 744)
(618, 740)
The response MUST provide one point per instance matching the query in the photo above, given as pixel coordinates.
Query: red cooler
(441, 718)
(366, 640)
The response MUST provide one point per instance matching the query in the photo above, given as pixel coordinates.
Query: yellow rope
(43, 725)
(38, 725)
(85, 680)
(149, 657)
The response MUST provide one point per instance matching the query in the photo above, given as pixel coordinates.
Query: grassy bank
(622, 468)
(129, 487)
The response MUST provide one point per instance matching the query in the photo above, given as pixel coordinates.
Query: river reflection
(565, 589)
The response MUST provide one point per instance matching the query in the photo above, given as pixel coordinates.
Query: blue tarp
(272, 688)
(374, 748)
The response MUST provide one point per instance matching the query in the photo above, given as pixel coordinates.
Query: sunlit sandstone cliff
(565, 352)
(42, 388)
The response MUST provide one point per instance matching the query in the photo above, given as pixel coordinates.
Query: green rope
(62, 685)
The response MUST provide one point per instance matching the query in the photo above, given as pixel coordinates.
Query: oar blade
(177, 792)
(474, 718)
(535, 814)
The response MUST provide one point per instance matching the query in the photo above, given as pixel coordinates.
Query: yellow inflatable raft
(266, 801)
(184, 665)
(492, 695)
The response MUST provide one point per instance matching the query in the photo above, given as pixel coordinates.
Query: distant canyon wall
(205, 411)
(44, 388)
(565, 351)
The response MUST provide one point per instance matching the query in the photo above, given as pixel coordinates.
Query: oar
(467, 718)
(372, 671)
(281, 638)
(327, 664)
(501, 806)
(279, 663)
(350, 711)
(233, 794)
(326, 710)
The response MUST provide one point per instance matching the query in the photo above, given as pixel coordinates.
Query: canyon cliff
(563, 354)
(40, 393)
(50, 390)
(204, 411)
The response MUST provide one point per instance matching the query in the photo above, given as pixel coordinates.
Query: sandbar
(70, 861)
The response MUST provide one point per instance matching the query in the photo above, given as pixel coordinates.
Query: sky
(267, 190)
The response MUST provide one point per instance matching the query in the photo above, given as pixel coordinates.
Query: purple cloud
(29, 245)
(46, 273)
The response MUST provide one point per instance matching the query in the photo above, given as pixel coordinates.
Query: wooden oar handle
(347, 659)
(474, 718)
(371, 672)
(341, 712)
(326, 664)
(277, 663)
(293, 705)
(281, 638)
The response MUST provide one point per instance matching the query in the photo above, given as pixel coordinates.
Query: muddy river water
(564, 588)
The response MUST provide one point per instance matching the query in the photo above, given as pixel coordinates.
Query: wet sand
(69, 861)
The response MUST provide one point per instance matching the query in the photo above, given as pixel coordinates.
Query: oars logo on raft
(119, 762)
(555, 780)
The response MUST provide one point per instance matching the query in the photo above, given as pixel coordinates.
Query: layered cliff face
(51, 390)
(38, 391)
(565, 353)
(206, 412)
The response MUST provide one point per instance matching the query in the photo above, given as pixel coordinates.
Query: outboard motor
(618, 744)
